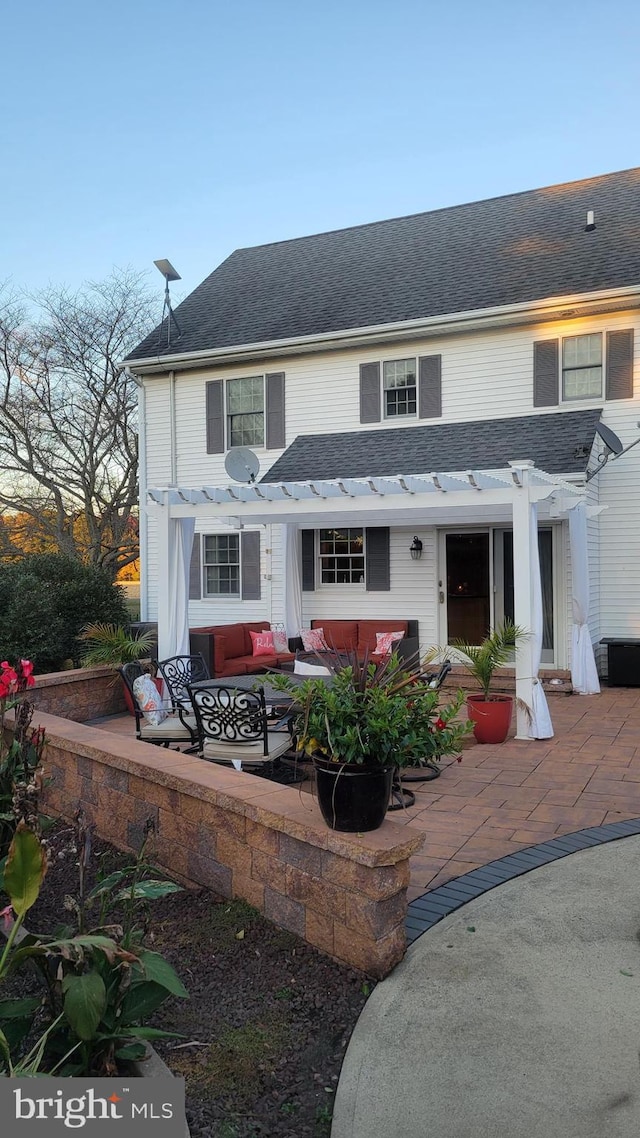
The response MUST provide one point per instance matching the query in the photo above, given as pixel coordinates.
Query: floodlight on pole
(169, 273)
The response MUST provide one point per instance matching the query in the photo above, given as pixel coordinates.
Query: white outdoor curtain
(181, 532)
(584, 675)
(292, 581)
(540, 726)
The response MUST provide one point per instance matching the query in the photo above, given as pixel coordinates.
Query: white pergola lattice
(506, 495)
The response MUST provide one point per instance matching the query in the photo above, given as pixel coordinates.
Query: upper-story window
(400, 391)
(595, 365)
(342, 556)
(245, 412)
(393, 390)
(582, 366)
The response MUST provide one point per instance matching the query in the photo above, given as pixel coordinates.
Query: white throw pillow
(280, 641)
(149, 700)
(301, 668)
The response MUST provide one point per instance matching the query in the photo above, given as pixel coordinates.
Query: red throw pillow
(262, 643)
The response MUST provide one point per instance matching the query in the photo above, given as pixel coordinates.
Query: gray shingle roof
(552, 441)
(505, 250)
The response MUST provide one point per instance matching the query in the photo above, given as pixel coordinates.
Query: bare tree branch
(68, 417)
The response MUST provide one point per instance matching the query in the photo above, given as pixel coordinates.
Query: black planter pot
(353, 798)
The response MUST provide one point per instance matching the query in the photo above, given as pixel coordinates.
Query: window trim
(582, 367)
(227, 413)
(219, 596)
(404, 415)
(361, 584)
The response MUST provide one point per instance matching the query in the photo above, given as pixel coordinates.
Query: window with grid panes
(342, 556)
(245, 412)
(222, 565)
(582, 366)
(399, 384)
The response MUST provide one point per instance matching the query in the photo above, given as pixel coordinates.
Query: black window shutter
(215, 417)
(250, 565)
(620, 365)
(430, 387)
(370, 393)
(275, 410)
(195, 570)
(377, 572)
(546, 373)
(308, 538)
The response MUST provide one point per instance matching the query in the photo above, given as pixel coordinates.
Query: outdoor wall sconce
(415, 549)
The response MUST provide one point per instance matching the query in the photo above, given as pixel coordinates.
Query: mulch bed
(268, 1020)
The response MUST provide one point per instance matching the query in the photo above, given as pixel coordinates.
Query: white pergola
(518, 494)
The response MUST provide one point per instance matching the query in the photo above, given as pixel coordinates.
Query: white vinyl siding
(486, 376)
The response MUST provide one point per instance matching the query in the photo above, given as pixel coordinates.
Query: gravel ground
(268, 1020)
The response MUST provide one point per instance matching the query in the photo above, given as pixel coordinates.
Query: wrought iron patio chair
(176, 728)
(180, 671)
(233, 728)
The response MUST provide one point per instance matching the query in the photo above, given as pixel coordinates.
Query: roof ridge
(430, 212)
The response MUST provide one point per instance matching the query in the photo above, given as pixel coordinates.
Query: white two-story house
(439, 377)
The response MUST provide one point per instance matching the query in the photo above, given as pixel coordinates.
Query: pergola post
(522, 592)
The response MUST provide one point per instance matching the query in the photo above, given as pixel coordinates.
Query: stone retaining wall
(80, 693)
(241, 836)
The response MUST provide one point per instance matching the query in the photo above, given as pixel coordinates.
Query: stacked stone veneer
(240, 836)
(80, 693)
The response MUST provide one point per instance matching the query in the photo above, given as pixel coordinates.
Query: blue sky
(139, 129)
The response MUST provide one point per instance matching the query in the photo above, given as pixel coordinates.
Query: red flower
(440, 724)
(25, 671)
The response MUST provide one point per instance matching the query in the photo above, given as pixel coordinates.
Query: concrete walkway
(518, 1016)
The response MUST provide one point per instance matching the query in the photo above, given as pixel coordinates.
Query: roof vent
(591, 221)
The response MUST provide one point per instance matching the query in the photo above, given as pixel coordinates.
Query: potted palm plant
(360, 725)
(113, 644)
(490, 712)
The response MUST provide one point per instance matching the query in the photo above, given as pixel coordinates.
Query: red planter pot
(491, 717)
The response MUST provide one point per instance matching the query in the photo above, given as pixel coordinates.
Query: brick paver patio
(503, 798)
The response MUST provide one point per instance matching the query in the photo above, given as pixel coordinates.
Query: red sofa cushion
(339, 634)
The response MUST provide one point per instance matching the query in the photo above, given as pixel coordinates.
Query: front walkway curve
(502, 799)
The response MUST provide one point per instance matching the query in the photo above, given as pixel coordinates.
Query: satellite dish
(242, 464)
(609, 438)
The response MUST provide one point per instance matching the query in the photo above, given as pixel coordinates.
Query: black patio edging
(432, 906)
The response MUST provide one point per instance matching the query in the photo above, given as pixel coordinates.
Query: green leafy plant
(483, 659)
(45, 601)
(113, 644)
(375, 714)
(97, 990)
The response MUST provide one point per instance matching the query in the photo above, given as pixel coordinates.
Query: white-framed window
(582, 366)
(399, 388)
(341, 556)
(245, 411)
(221, 561)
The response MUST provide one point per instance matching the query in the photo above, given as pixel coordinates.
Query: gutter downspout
(173, 457)
(143, 523)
